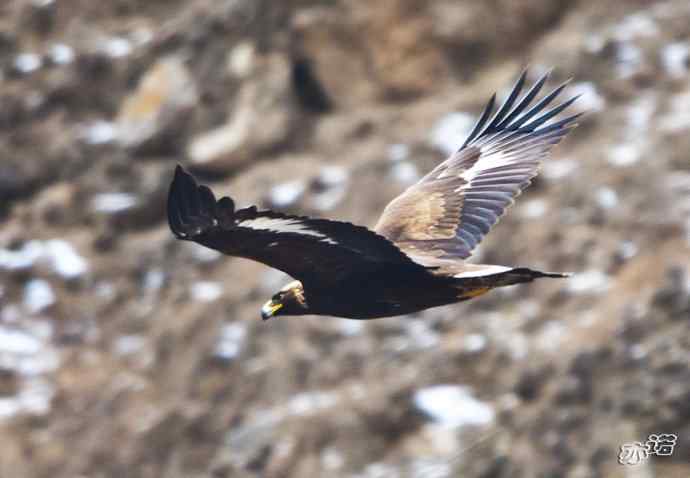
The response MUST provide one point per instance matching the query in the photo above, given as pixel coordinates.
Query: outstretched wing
(450, 210)
(317, 252)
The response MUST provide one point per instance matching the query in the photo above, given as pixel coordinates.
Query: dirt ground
(124, 352)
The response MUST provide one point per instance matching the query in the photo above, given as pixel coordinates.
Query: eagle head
(287, 301)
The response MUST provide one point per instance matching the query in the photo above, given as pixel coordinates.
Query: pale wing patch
(484, 271)
(285, 225)
(419, 215)
(489, 158)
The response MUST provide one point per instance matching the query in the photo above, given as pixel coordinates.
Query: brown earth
(124, 352)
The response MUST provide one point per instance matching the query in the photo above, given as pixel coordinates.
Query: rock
(465, 29)
(9, 382)
(336, 49)
(39, 15)
(673, 297)
(260, 121)
(377, 50)
(401, 44)
(573, 390)
(530, 383)
(151, 118)
(308, 89)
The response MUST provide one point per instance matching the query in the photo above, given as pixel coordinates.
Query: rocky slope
(126, 353)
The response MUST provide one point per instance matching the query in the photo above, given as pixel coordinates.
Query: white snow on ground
(231, 340)
(38, 296)
(206, 291)
(60, 254)
(450, 131)
(453, 406)
(110, 203)
(588, 282)
(287, 194)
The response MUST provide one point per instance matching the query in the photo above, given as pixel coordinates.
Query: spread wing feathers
(315, 251)
(449, 211)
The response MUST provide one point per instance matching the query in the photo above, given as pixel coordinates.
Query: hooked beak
(269, 309)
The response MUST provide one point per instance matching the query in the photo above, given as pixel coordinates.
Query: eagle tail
(520, 275)
(499, 276)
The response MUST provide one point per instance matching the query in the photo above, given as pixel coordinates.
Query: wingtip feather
(523, 118)
(190, 207)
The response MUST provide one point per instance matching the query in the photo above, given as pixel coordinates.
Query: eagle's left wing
(450, 210)
(318, 252)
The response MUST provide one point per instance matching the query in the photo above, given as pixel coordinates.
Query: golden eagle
(414, 257)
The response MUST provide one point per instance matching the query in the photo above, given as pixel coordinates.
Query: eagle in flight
(414, 258)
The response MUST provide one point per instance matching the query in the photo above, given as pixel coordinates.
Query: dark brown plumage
(414, 257)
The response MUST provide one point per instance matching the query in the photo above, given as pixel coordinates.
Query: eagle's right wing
(450, 210)
(318, 252)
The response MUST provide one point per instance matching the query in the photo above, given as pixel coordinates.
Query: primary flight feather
(414, 258)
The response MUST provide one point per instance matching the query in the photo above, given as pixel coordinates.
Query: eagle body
(384, 294)
(414, 258)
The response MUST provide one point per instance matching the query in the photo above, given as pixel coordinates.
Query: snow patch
(311, 402)
(27, 63)
(637, 25)
(61, 54)
(60, 254)
(129, 344)
(206, 291)
(111, 203)
(556, 169)
(450, 132)
(624, 155)
(590, 99)
(117, 47)
(38, 296)
(287, 194)
(405, 172)
(607, 198)
(453, 406)
(231, 341)
(398, 152)
(99, 132)
(588, 282)
(534, 209)
(474, 343)
(34, 398)
(675, 58)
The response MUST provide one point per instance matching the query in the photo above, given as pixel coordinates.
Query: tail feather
(521, 275)
(498, 276)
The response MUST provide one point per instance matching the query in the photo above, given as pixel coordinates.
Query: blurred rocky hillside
(126, 353)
